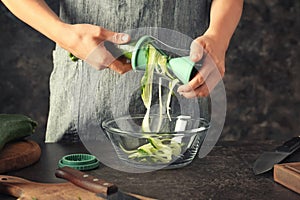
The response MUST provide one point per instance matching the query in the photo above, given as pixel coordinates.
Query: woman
(84, 24)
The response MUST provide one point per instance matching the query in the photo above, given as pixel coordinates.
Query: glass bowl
(175, 145)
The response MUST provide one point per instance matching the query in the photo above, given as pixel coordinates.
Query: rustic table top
(225, 173)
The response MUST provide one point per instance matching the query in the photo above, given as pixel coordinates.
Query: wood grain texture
(19, 154)
(29, 190)
(288, 174)
(89, 182)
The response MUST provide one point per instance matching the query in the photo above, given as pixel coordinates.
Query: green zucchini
(14, 127)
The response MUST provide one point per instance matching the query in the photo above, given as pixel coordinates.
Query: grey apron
(69, 80)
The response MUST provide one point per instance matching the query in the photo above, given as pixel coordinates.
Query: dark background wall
(262, 75)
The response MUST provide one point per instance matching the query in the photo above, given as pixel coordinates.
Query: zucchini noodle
(157, 150)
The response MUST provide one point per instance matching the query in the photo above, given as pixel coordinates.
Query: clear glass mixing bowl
(174, 145)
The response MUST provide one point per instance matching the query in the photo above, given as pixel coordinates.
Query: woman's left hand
(212, 70)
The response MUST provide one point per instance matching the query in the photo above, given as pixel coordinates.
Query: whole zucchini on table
(14, 127)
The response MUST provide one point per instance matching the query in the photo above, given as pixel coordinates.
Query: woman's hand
(224, 17)
(86, 41)
(208, 48)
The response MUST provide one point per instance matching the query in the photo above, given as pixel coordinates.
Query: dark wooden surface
(226, 173)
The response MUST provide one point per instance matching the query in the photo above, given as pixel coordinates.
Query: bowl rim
(200, 130)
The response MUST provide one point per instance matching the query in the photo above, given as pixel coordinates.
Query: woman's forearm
(38, 15)
(225, 15)
(82, 40)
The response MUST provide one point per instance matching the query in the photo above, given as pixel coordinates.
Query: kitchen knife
(267, 160)
(102, 188)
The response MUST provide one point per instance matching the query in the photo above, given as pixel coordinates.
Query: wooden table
(226, 173)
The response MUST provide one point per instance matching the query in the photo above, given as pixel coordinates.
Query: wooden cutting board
(19, 154)
(288, 174)
(28, 190)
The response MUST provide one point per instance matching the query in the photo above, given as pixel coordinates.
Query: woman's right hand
(86, 41)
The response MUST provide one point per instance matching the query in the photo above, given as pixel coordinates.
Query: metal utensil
(267, 160)
(102, 188)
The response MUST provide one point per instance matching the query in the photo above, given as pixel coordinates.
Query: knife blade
(267, 160)
(101, 187)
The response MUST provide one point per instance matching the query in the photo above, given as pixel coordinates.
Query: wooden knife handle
(86, 181)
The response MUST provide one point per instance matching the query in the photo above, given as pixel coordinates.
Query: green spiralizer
(182, 67)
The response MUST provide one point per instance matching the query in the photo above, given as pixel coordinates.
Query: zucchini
(14, 127)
